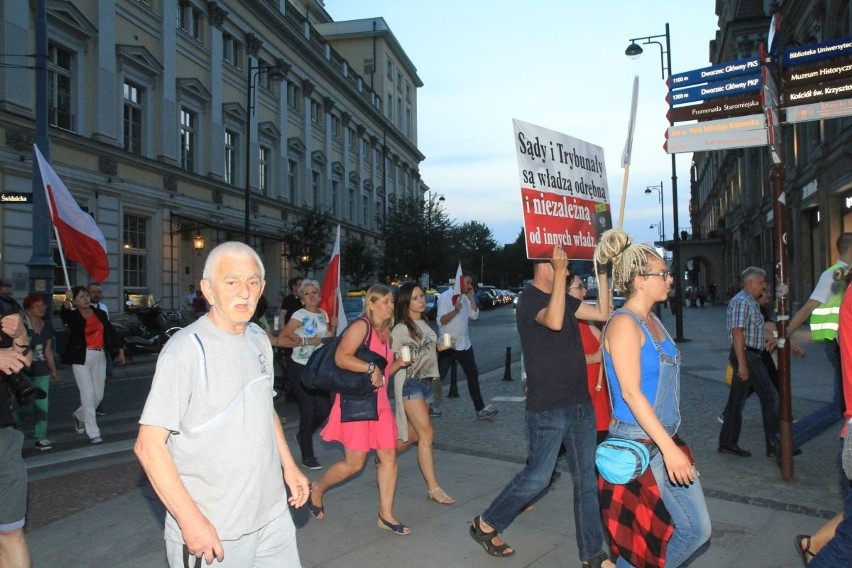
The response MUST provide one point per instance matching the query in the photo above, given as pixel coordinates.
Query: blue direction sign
(733, 86)
(817, 51)
(750, 65)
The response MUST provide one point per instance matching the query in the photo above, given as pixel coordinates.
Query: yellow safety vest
(825, 318)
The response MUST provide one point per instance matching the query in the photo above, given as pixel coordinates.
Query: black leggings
(314, 407)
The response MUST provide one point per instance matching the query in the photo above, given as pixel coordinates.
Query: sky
(554, 63)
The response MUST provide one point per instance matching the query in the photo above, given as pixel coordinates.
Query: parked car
(353, 307)
(484, 299)
(431, 312)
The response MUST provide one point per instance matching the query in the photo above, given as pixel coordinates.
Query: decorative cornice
(216, 14)
(253, 44)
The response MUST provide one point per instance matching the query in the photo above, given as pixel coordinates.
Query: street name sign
(737, 132)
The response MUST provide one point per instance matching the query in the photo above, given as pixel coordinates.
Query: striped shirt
(744, 313)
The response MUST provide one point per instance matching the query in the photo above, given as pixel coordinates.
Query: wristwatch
(370, 368)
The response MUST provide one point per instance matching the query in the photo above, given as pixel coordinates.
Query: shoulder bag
(321, 372)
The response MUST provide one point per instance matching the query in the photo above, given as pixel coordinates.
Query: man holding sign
(558, 410)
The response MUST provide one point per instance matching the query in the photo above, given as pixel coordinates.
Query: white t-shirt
(213, 390)
(313, 325)
(457, 327)
(826, 285)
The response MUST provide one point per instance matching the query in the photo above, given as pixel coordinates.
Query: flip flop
(804, 553)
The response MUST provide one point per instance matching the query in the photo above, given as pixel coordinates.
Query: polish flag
(330, 299)
(457, 291)
(76, 231)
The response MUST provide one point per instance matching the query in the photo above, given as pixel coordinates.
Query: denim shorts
(418, 388)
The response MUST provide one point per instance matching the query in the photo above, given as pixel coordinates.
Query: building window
(135, 252)
(390, 70)
(399, 81)
(187, 140)
(408, 122)
(294, 97)
(59, 86)
(408, 92)
(132, 118)
(316, 113)
(315, 187)
(335, 190)
(399, 112)
(230, 50)
(364, 210)
(263, 155)
(336, 129)
(351, 207)
(230, 157)
(292, 179)
(390, 107)
(189, 19)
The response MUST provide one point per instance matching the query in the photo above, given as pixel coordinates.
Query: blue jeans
(761, 383)
(819, 420)
(686, 505)
(574, 426)
(838, 551)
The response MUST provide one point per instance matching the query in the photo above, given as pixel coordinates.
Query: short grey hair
(751, 273)
(307, 282)
(230, 248)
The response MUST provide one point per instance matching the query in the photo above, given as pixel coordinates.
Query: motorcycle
(151, 330)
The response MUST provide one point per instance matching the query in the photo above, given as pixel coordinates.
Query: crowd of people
(585, 382)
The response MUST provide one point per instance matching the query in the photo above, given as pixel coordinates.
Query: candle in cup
(447, 340)
(405, 354)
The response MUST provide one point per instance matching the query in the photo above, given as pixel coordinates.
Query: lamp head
(648, 191)
(442, 198)
(633, 50)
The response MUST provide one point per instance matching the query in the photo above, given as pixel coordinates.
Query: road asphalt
(90, 506)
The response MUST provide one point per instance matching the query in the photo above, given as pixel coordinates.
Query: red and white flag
(76, 231)
(457, 291)
(331, 300)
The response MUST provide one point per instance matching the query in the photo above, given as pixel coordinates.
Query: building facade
(168, 117)
(731, 195)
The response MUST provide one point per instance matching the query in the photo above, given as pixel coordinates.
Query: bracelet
(370, 368)
(22, 346)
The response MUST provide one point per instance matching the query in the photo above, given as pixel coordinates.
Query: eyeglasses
(664, 274)
(582, 286)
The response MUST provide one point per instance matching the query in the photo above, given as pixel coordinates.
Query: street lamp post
(659, 189)
(635, 50)
(657, 226)
(277, 73)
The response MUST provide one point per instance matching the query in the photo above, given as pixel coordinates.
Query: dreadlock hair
(628, 259)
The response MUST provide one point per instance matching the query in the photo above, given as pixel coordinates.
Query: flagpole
(628, 149)
(61, 255)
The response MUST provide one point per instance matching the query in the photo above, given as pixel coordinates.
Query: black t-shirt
(554, 360)
(292, 304)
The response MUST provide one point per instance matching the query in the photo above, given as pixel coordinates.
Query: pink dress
(368, 434)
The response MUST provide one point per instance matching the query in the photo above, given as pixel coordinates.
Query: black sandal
(804, 553)
(485, 538)
(595, 562)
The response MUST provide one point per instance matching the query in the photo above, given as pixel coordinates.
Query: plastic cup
(405, 354)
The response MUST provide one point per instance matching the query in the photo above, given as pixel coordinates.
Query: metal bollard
(454, 385)
(507, 374)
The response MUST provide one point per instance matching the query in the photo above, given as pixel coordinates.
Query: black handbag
(321, 372)
(357, 408)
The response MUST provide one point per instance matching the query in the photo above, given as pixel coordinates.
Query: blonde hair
(628, 259)
(375, 293)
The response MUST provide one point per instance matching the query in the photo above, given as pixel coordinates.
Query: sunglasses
(664, 274)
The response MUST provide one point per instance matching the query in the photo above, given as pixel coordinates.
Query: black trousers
(467, 361)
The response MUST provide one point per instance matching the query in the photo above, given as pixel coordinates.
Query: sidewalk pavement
(117, 521)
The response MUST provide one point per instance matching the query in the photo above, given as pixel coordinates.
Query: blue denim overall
(685, 503)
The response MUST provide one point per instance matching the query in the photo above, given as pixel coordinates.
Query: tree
(308, 240)
(516, 266)
(416, 236)
(358, 262)
(474, 246)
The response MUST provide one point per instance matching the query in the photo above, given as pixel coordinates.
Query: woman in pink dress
(358, 438)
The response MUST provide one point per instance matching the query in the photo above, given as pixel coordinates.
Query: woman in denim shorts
(413, 337)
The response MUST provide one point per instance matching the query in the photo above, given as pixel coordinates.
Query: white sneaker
(43, 445)
(96, 440)
(486, 413)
